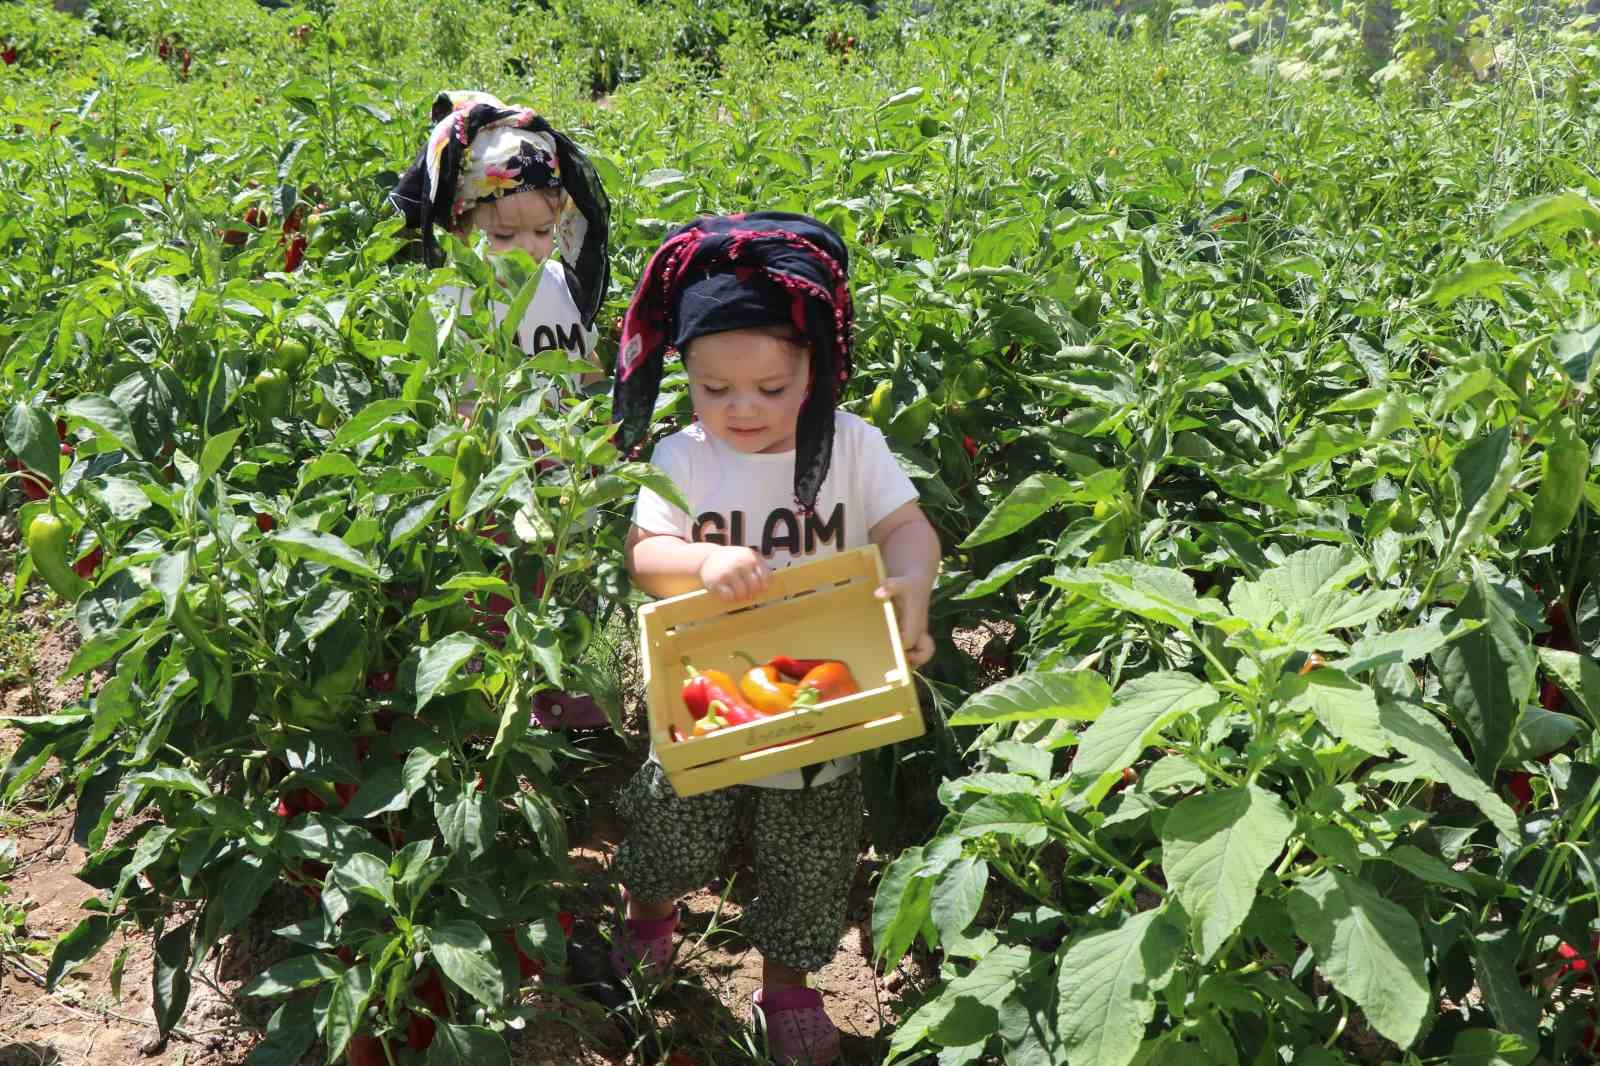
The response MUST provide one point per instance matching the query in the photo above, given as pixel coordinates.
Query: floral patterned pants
(806, 842)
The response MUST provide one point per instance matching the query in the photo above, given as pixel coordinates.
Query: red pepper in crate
(796, 668)
(714, 701)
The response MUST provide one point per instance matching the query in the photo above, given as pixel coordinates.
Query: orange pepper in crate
(762, 687)
(829, 681)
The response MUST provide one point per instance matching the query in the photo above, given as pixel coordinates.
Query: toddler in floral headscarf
(504, 172)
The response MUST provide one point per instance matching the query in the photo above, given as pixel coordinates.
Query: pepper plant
(1308, 841)
(324, 640)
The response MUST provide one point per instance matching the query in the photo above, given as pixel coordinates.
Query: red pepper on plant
(366, 1050)
(1519, 783)
(87, 566)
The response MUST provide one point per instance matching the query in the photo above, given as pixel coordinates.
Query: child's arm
(665, 565)
(910, 550)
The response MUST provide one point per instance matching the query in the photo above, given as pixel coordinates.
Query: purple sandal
(564, 710)
(797, 1031)
(644, 943)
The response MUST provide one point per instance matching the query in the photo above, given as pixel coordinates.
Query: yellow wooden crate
(822, 609)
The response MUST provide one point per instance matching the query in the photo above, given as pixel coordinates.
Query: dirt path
(700, 1016)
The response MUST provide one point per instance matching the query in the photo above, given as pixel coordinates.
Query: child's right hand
(735, 574)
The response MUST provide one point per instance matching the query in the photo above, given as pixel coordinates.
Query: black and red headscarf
(479, 150)
(738, 272)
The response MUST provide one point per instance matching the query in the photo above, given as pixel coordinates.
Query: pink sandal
(644, 943)
(797, 1031)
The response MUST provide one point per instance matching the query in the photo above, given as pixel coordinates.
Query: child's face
(747, 386)
(525, 220)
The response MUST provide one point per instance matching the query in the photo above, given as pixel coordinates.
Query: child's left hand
(911, 609)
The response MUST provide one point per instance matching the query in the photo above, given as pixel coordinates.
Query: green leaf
(216, 452)
(656, 480)
(365, 874)
(1417, 734)
(370, 420)
(1569, 208)
(30, 433)
(957, 895)
(1149, 275)
(1139, 711)
(1158, 593)
(78, 947)
(1575, 351)
(467, 1045)
(347, 1003)
(976, 998)
(1487, 676)
(1484, 488)
(1080, 695)
(322, 548)
(415, 519)
(967, 1010)
(1540, 732)
(1346, 708)
(466, 823)
(1470, 280)
(1494, 965)
(105, 418)
(900, 907)
(301, 971)
(169, 977)
(422, 333)
(1005, 814)
(384, 790)
(1214, 848)
(1105, 983)
(1487, 1047)
(1578, 676)
(1427, 867)
(172, 779)
(1022, 758)
(464, 953)
(1307, 578)
(1368, 947)
(1035, 495)
(1001, 576)
(290, 1033)
(1398, 647)
(441, 662)
(248, 881)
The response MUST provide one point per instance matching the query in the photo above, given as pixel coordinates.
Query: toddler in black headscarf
(759, 308)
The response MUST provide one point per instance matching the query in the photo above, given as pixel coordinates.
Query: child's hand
(735, 574)
(910, 597)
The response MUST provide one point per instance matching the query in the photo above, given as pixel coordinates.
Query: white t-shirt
(743, 499)
(551, 321)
